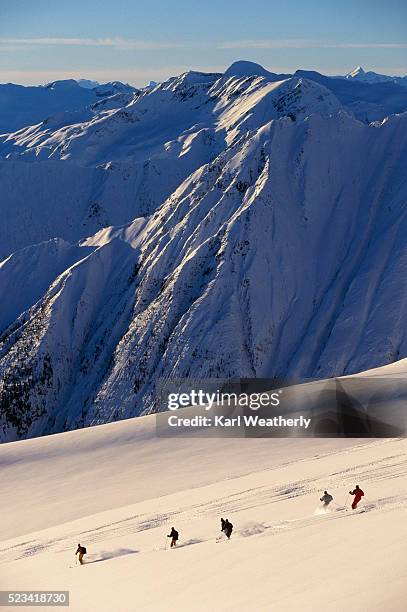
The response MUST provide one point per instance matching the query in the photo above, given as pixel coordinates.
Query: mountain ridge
(214, 226)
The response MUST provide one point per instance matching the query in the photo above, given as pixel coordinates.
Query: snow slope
(118, 489)
(68, 201)
(20, 287)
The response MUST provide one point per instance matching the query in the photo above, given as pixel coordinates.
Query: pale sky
(132, 41)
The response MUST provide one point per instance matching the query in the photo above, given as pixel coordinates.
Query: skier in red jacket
(358, 493)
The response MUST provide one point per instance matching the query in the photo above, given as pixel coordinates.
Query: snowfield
(118, 489)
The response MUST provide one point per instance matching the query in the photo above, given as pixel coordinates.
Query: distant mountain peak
(245, 68)
(371, 77)
(87, 83)
(62, 84)
(358, 71)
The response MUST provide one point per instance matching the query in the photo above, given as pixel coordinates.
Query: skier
(81, 550)
(174, 536)
(326, 498)
(228, 528)
(358, 493)
(222, 524)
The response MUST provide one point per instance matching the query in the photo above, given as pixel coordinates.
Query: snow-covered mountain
(229, 224)
(243, 68)
(142, 151)
(87, 83)
(366, 101)
(21, 106)
(373, 77)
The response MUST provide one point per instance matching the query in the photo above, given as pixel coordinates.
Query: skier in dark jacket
(222, 524)
(174, 536)
(358, 493)
(81, 550)
(326, 498)
(228, 528)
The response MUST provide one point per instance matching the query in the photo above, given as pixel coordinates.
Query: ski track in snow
(394, 466)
